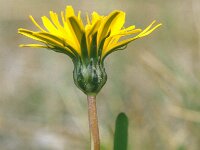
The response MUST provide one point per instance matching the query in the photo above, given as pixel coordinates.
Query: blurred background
(155, 81)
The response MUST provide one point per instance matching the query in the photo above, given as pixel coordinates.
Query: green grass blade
(121, 132)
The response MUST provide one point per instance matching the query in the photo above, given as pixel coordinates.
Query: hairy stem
(93, 123)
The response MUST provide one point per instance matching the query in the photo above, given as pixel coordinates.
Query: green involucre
(89, 77)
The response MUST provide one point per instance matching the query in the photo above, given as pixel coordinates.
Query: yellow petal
(76, 27)
(88, 19)
(107, 42)
(54, 18)
(63, 17)
(94, 28)
(79, 17)
(118, 23)
(29, 34)
(95, 17)
(49, 26)
(147, 28)
(70, 36)
(33, 45)
(128, 32)
(60, 29)
(112, 40)
(106, 25)
(50, 39)
(36, 24)
(54, 40)
(149, 31)
(69, 11)
(129, 28)
(118, 45)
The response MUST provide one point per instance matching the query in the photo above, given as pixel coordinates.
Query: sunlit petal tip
(69, 7)
(139, 30)
(69, 11)
(160, 24)
(23, 30)
(148, 31)
(43, 17)
(79, 14)
(19, 30)
(51, 13)
(30, 16)
(95, 13)
(21, 45)
(153, 21)
(123, 13)
(119, 13)
(35, 23)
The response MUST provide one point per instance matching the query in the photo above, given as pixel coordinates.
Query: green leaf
(121, 132)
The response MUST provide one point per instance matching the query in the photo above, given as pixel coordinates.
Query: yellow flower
(87, 43)
(100, 36)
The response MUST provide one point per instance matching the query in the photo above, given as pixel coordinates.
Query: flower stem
(93, 123)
